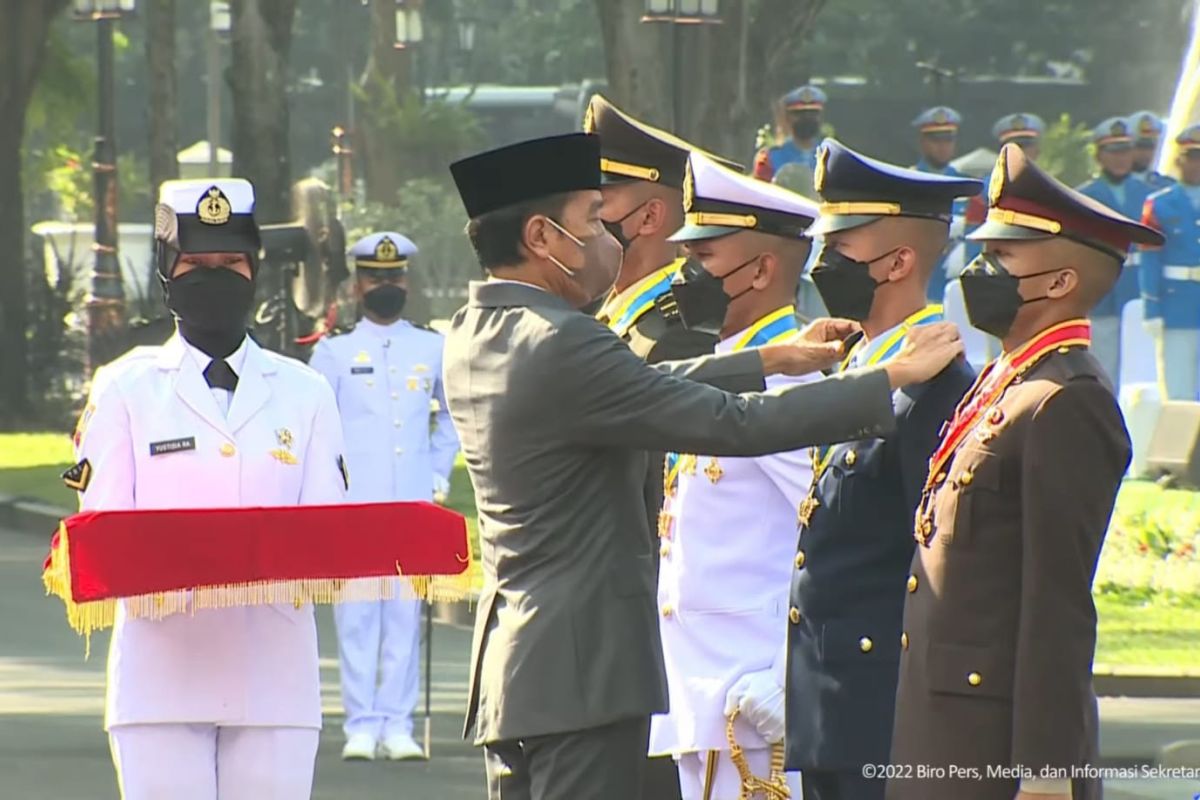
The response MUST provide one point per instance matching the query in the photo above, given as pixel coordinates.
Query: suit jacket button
(904, 641)
(974, 679)
(800, 559)
(227, 450)
(865, 644)
(912, 583)
(794, 615)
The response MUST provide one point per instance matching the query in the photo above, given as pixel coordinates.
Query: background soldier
(884, 229)
(999, 624)
(937, 139)
(1116, 188)
(803, 109)
(722, 601)
(1170, 276)
(1147, 131)
(385, 374)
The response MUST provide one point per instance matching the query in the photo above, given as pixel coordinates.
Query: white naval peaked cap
(718, 201)
(383, 250)
(199, 215)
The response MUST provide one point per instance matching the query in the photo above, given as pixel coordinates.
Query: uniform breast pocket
(974, 498)
(970, 670)
(853, 473)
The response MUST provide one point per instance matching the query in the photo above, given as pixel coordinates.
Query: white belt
(1182, 273)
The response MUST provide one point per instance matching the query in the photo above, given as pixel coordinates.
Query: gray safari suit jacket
(555, 414)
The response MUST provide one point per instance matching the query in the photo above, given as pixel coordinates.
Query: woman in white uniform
(211, 704)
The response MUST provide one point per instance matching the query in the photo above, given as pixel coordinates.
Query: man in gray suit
(555, 414)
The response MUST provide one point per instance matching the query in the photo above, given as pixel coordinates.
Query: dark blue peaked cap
(856, 190)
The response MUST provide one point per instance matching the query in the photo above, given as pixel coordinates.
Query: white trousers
(727, 783)
(207, 762)
(1179, 364)
(379, 649)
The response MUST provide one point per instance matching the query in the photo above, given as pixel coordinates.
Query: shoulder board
(666, 305)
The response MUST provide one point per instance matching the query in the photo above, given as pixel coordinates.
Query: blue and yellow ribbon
(774, 327)
(888, 349)
(639, 298)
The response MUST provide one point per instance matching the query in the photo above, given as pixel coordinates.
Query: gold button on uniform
(974, 679)
(399, 451)
(912, 583)
(227, 449)
(794, 615)
(966, 478)
(851, 457)
(904, 641)
(665, 550)
(667, 611)
(397, 423)
(800, 560)
(865, 644)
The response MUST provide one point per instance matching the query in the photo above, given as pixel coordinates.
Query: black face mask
(846, 285)
(701, 297)
(211, 306)
(806, 127)
(992, 296)
(615, 230)
(386, 301)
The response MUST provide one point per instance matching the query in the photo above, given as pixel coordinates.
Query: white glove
(759, 698)
(441, 488)
(1153, 326)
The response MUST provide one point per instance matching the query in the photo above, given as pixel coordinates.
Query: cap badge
(1019, 122)
(1118, 129)
(806, 95)
(214, 208)
(996, 185)
(689, 187)
(940, 116)
(819, 170)
(386, 250)
(1146, 125)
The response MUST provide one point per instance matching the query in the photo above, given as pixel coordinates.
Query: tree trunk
(386, 81)
(22, 47)
(258, 80)
(728, 75)
(163, 106)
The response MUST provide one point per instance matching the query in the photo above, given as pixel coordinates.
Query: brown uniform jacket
(999, 625)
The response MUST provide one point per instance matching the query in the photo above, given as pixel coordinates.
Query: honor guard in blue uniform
(724, 601)
(884, 228)
(937, 139)
(1147, 133)
(1025, 131)
(642, 170)
(1170, 275)
(1117, 188)
(803, 109)
(387, 376)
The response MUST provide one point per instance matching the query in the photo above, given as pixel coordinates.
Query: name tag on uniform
(361, 370)
(172, 446)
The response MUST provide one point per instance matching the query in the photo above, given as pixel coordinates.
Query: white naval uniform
(723, 585)
(385, 378)
(218, 703)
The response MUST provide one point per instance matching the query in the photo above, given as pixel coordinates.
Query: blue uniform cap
(804, 98)
(383, 250)
(939, 121)
(1189, 138)
(856, 190)
(1114, 133)
(1147, 128)
(1020, 127)
(718, 201)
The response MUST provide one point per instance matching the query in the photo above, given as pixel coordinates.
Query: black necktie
(220, 375)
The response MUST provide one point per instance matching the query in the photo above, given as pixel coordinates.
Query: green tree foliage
(1066, 151)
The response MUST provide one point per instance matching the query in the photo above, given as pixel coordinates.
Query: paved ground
(51, 702)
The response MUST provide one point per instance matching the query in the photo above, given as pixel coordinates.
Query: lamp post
(106, 296)
(466, 43)
(679, 13)
(219, 25)
(409, 28)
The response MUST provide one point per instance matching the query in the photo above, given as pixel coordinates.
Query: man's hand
(815, 348)
(828, 329)
(926, 352)
(1153, 326)
(759, 697)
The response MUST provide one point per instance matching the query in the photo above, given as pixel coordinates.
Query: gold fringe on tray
(87, 617)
